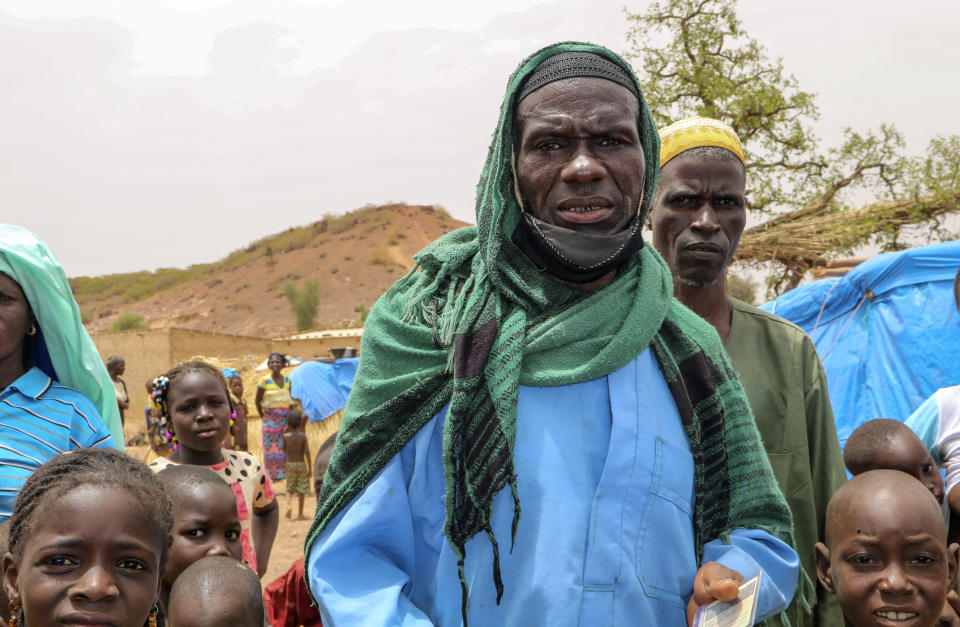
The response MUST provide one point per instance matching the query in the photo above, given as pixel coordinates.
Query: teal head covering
(63, 348)
(477, 318)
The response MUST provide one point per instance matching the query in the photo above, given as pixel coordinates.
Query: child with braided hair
(196, 410)
(88, 540)
(157, 434)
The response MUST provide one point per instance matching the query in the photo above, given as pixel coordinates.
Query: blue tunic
(605, 477)
(39, 419)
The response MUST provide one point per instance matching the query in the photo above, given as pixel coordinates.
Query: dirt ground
(291, 533)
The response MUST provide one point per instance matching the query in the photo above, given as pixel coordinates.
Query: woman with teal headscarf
(55, 393)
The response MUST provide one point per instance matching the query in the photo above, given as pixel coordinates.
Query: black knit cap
(574, 64)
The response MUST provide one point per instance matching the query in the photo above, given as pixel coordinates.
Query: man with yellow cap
(698, 217)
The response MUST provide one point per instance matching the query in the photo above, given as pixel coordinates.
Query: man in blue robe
(536, 382)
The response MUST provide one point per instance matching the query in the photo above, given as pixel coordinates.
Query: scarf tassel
(516, 512)
(423, 290)
(461, 550)
(464, 594)
(497, 578)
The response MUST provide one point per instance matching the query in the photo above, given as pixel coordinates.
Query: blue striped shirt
(39, 419)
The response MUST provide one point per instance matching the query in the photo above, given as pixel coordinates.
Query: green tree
(304, 303)
(362, 312)
(742, 289)
(129, 322)
(695, 59)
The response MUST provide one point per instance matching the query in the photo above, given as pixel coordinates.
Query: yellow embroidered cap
(694, 132)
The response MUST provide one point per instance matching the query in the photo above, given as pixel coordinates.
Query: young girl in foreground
(88, 541)
(195, 405)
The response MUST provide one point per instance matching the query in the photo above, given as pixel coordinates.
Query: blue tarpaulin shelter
(322, 388)
(888, 332)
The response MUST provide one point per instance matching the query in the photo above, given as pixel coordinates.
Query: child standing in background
(195, 403)
(239, 429)
(297, 449)
(884, 443)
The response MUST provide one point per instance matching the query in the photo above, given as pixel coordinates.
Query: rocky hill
(353, 257)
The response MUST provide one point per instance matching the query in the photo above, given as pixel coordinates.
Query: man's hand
(714, 582)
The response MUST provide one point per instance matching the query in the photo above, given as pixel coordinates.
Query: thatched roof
(810, 237)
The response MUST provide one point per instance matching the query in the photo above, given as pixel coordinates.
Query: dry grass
(395, 236)
(379, 258)
(807, 238)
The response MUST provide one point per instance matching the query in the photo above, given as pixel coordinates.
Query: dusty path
(291, 534)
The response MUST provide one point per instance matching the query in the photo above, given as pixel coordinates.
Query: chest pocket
(666, 558)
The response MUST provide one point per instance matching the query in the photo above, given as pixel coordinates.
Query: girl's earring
(153, 615)
(14, 607)
(33, 329)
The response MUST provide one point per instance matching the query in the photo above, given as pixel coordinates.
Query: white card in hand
(739, 613)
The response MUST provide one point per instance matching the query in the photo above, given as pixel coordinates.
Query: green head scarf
(63, 348)
(476, 319)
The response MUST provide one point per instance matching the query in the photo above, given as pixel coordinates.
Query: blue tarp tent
(322, 388)
(888, 332)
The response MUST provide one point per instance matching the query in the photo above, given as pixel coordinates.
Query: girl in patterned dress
(195, 405)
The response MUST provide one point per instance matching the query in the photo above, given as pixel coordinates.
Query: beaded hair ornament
(161, 386)
(159, 396)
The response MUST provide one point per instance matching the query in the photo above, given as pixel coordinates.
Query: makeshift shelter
(887, 332)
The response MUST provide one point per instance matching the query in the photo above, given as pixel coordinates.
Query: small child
(892, 445)
(884, 552)
(87, 539)
(297, 449)
(240, 406)
(205, 521)
(216, 591)
(195, 407)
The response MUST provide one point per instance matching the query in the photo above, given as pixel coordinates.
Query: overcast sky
(136, 134)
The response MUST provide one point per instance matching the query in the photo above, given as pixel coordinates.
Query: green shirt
(787, 390)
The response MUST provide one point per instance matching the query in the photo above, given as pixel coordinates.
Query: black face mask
(574, 256)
